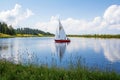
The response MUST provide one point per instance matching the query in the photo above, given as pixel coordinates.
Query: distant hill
(5, 29)
(31, 31)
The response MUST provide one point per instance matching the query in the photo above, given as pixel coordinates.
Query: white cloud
(48, 26)
(108, 23)
(112, 14)
(15, 15)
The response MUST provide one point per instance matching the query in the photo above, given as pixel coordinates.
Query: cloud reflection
(109, 47)
(8, 51)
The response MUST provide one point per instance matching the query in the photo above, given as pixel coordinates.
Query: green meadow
(10, 71)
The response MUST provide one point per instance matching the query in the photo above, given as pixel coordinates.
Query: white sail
(60, 33)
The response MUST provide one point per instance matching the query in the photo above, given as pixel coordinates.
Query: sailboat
(60, 35)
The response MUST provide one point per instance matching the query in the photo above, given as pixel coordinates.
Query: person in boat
(67, 38)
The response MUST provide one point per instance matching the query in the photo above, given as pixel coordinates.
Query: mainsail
(60, 33)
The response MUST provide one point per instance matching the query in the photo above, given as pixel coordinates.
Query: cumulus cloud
(112, 14)
(48, 26)
(108, 23)
(15, 15)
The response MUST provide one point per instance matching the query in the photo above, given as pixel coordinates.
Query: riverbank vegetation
(23, 35)
(34, 32)
(97, 35)
(5, 36)
(8, 31)
(5, 29)
(10, 71)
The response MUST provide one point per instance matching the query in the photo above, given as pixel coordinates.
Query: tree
(4, 28)
(11, 30)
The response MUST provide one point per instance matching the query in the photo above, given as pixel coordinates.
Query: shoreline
(22, 35)
(97, 36)
(41, 35)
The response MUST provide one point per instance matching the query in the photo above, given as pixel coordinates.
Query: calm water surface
(101, 53)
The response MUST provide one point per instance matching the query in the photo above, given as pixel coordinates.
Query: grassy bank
(5, 35)
(23, 35)
(30, 35)
(41, 35)
(10, 71)
(97, 36)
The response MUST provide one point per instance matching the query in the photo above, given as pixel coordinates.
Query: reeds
(75, 71)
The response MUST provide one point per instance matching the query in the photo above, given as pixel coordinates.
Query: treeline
(97, 35)
(31, 31)
(4, 28)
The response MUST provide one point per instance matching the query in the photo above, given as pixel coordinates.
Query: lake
(92, 52)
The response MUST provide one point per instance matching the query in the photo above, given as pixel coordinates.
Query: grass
(5, 35)
(10, 71)
(23, 35)
(30, 35)
(40, 35)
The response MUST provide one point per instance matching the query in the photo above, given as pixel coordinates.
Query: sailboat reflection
(3, 47)
(60, 49)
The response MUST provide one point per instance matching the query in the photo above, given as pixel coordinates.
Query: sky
(77, 16)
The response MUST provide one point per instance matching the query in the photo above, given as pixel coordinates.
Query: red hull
(62, 41)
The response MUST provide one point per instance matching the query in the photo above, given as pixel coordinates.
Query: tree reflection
(3, 47)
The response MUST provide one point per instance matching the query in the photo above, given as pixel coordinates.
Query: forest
(5, 29)
(31, 31)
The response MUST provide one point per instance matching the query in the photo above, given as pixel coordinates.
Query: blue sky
(44, 12)
(84, 9)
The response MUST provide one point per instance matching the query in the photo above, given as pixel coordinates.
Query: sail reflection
(60, 49)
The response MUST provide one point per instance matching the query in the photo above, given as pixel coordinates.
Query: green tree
(4, 28)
